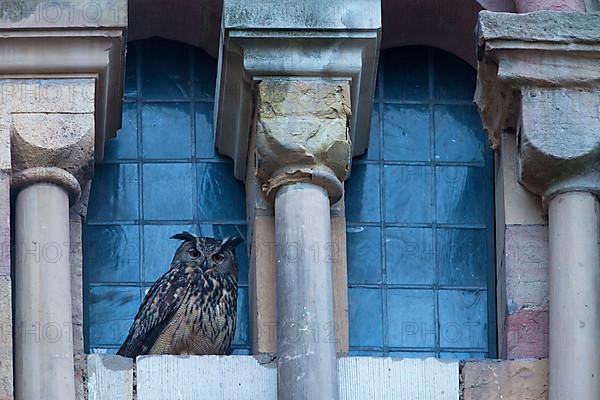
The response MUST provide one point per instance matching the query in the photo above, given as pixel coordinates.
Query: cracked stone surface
(506, 380)
(303, 123)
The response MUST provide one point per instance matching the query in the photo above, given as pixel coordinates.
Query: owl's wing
(159, 305)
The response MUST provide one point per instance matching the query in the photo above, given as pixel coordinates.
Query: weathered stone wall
(6, 323)
(522, 262)
(505, 380)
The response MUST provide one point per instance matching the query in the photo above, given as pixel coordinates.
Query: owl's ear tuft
(230, 242)
(185, 236)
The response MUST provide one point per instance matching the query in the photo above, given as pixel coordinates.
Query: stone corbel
(539, 75)
(335, 39)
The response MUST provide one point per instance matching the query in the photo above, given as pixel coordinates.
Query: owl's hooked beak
(205, 267)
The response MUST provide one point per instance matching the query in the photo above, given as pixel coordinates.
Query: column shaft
(307, 363)
(574, 220)
(43, 344)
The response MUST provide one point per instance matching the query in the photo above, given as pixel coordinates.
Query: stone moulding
(299, 42)
(539, 76)
(39, 40)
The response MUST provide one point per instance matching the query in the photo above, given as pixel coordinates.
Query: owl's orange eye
(194, 253)
(218, 257)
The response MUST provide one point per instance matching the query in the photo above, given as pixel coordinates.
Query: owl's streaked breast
(205, 321)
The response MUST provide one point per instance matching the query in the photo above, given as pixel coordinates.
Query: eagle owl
(192, 308)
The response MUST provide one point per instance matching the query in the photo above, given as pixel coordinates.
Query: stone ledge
(248, 377)
(540, 26)
(506, 380)
(331, 14)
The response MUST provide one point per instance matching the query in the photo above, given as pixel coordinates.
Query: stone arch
(436, 24)
(433, 23)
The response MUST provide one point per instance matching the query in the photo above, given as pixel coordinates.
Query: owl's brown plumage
(192, 308)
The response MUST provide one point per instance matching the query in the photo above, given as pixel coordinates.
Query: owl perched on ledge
(192, 308)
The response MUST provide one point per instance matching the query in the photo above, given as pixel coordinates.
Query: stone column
(539, 75)
(60, 99)
(52, 151)
(44, 347)
(293, 106)
(574, 295)
(303, 155)
(307, 361)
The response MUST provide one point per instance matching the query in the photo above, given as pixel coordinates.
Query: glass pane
(111, 310)
(410, 256)
(168, 191)
(221, 196)
(364, 317)
(411, 318)
(364, 254)
(159, 249)
(412, 354)
(406, 133)
(167, 130)
(242, 335)
(462, 355)
(460, 198)
(112, 253)
(373, 149)
(362, 194)
(205, 135)
(114, 193)
(454, 78)
(408, 193)
(462, 257)
(463, 319)
(130, 89)
(205, 75)
(458, 134)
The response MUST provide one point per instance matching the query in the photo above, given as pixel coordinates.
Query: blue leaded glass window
(420, 216)
(160, 175)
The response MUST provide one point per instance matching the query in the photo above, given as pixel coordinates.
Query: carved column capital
(539, 76)
(50, 126)
(302, 133)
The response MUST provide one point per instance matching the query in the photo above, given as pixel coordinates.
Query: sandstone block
(506, 380)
